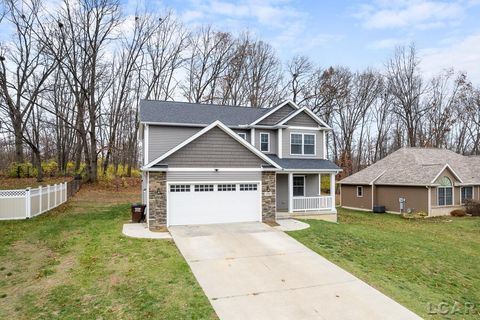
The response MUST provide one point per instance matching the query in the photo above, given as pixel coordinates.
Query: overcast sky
(353, 33)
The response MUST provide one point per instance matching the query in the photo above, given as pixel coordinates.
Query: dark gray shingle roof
(196, 113)
(308, 164)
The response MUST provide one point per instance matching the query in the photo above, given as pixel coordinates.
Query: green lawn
(419, 263)
(75, 264)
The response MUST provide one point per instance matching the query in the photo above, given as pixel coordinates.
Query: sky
(358, 34)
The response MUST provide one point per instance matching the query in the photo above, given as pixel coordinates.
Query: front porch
(300, 194)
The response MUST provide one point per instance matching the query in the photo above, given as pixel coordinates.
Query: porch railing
(312, 203)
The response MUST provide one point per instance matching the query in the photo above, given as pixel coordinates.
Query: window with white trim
(264, 141)
(180, 188)
(359, 191)
(445, 192)
(298, 186)
(242, 135)
(302, 144)
(466, 193)
(227, 187)
(203, 187)
(248, 187)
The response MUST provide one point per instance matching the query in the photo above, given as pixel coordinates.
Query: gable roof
(170, 112)
(418, 166)
(275, 109)
(224, 128)
(309, 113)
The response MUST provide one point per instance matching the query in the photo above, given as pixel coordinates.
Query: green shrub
(21, 170)
(50, 168)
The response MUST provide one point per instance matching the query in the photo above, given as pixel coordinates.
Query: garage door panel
(210, 207)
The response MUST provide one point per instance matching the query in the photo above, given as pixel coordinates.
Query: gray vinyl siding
(163, 138)
(277, 115)
(318, 143)
(214, 176)
(302, 120)
(282, 192)
(214, 149)
(247, 132)
(312, 185)
(273, 139)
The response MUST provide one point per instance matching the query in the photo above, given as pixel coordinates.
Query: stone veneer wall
(268, 196)
(157, 200)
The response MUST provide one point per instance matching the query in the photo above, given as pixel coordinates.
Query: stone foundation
(269, 206)
(157, 218)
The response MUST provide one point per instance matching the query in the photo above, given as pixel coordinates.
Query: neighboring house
(435, 181)
(205, 163)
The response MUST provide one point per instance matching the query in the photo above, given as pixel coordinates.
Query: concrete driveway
(252, 271)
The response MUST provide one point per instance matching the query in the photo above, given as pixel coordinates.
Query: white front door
(208, 203)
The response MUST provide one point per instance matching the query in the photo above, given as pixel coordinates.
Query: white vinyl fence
(28, 203)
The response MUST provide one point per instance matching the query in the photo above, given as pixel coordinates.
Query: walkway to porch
(315, 215)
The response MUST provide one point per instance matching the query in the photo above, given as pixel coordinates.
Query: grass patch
(419, 263)
(73, 263)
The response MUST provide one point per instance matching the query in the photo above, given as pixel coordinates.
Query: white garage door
(209, 203)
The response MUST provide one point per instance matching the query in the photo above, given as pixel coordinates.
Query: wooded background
(71, 80)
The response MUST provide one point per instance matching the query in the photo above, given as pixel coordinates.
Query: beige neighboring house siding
(318, 143)
(163, 138)
(278, 115)
(415, 197)
(214, 149)
(303, 120)
(348, 194)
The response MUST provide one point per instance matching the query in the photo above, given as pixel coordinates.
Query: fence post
(40, 199)
(48, 197)
(55, 195)
(64, 192)
(28, 212)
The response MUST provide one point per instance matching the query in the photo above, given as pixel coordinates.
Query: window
(445, 192)
(180, 188)
(203, 187)
(248, 187)
(359, 191)
(296, 143)
(309, 144)
(264, 141)
(227, 187)
(298, 186)
(467, 193)
(242, 135)
(302, 144)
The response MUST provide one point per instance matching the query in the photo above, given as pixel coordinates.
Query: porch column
(290, 192)
(332, 190)
(319, 184)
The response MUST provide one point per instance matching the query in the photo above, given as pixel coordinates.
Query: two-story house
(205, 163)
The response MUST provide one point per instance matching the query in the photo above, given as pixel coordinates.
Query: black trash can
(138, 212)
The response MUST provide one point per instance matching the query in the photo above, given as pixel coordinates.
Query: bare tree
(211, 52)
(406, 87)
(299, 71)
(165, 56)
(24, 69)
(351, 111)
